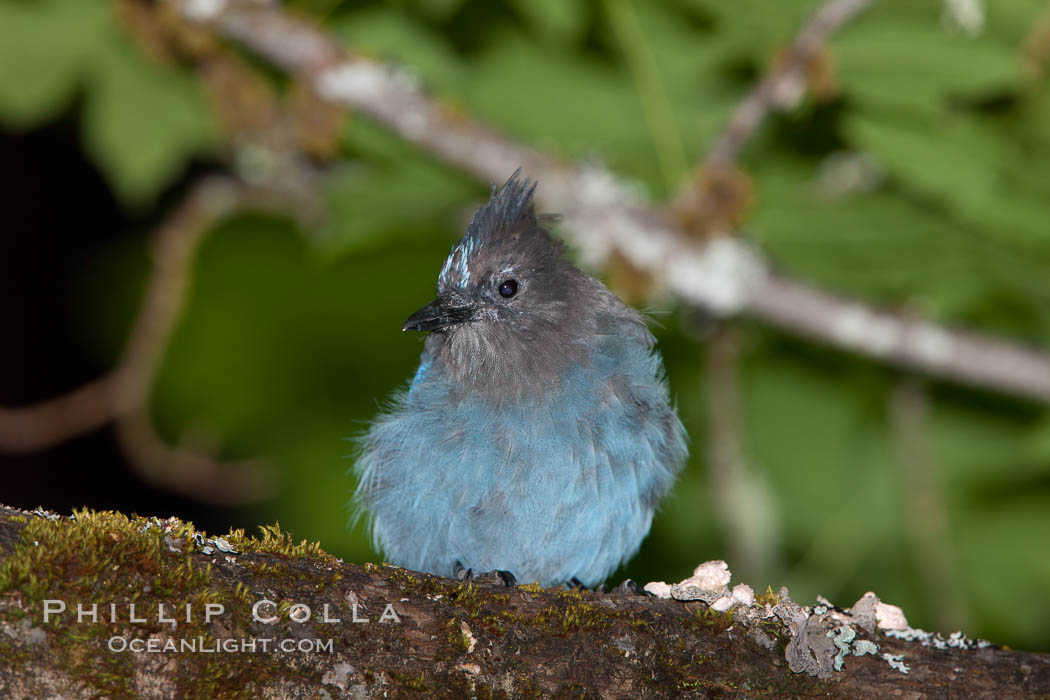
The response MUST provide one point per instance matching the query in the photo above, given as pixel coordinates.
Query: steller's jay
(537, 436)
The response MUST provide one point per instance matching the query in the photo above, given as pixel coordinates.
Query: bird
(537, 436)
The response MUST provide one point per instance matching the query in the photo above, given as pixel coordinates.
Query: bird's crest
(507, 206)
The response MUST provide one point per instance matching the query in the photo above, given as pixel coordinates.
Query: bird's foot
(505, 577)
(460, 573)
(629, 587)
(497, 575)
(578, 585)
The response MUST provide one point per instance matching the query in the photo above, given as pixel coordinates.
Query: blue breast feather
(550, 488)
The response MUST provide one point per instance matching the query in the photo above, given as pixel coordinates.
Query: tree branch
(782, 86)
(603, 215)
(371, 631)
(737, 499)
(927, 520)
(121, 396)
(83, 410)
(967, 358)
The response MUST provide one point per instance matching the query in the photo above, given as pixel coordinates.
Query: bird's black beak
(438, 315)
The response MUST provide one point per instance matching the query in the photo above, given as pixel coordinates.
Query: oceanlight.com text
(204, 645)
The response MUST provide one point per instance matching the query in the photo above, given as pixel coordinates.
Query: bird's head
(508, 301)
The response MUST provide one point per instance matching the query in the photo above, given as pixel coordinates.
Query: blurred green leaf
(964, 165)
(815, 442)
(568, 103)
(392, 188)
(691, 61)
(560, 19)
(45, 51)
(979, 444)
(918, 66)
(440, 9)
(756, 28)
(1012, 21)
(886, 247)
(1004, 565)
(141, 121)
(870, 244)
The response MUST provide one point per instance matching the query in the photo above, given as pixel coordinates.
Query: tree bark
(388, 632)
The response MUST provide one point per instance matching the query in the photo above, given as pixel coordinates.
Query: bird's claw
(629, 587)
(463, 574)
(506, 577)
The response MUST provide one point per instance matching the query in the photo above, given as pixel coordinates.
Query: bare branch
(123, 391)
(603, 215)
(176, 243)
(923, 493)
(742, 507)
(784, 84)
(121, 396)
(189, 470)
(967, 358)
(81, 411)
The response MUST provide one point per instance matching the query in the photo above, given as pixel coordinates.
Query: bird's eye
(508, 288)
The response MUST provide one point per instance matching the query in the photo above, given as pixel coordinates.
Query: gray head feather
(505, 208)
(514, 344)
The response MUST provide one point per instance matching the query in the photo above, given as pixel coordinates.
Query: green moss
(75, 560)
(774, 628)
(77, 557)
(767, 598)
(485, 692)
(460, 642)
(570, 594)
(711, 619)
(278, 543)
(106, 558)
(570, 691)
(408, 581)
(525, 687)
(637, 623)
(498, 621)
(467, 597)
(411, 681)
(457, 640)
(577, 615)
(448, 684)
(675, 667)
(464, 595)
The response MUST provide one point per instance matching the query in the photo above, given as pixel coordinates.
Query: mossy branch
(101, 604)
